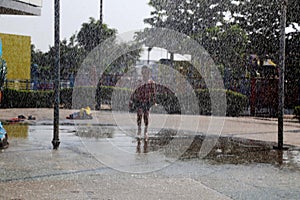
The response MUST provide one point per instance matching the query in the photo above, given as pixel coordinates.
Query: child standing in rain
(143, 98)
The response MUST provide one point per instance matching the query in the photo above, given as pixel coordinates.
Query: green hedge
(236, 102)
(297, 112)
(184, 103)
(26, 99)
(45, 99)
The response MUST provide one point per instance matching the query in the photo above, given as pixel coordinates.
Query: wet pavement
(109, 162)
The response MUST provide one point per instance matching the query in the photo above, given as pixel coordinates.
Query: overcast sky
(123, 15)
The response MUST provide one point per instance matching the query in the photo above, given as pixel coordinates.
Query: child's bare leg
(139, 117)
(139, 122)
(146, 118)
(146, 121)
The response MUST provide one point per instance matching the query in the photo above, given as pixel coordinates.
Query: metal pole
(149, 49)
(281, 74)
(55, 141)
(101, 12)
(298, 91)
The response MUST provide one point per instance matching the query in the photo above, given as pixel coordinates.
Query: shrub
(297, 112)
(236, 102)
(164, 97)
(27, 99)
(66, 98)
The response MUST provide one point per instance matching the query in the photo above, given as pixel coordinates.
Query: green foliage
(169, 102)
(66, 98)
(75, 50)
(227, 46)
(249, 27)
(93, 33)
(72, 52)
(71, 57)
(261, 21)
(293, 59)
(27, 99)
(205, 22)
(297, 112)
(236, 102)
(164, 97)
(188, 17)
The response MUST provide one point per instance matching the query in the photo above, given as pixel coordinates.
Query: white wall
(33, 2)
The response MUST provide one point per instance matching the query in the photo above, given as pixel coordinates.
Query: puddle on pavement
(225, 151)
(96, 132)
(229, 150)
(16, 130)
(243, 151)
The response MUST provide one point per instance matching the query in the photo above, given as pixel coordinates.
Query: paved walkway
(30, 169)
(264, 129)
(81, 169)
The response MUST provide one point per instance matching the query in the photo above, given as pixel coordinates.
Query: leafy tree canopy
(261, 21)
(229, 29)
(75, 50)
(92, 34)
(186, 16)
(205, 21)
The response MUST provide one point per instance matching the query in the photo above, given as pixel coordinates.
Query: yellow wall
(16, 51)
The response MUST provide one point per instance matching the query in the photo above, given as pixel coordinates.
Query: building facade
(16, 51)
(20, 7)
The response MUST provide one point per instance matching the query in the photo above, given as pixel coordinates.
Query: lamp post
(281, 74)
(101, 12)
(55, 141)
(148, 60)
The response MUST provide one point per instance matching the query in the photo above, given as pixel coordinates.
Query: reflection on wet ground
(235, 168)
(227, 150)
(94, 132)
(241, 151)
(16, 130)
(236, 151)
(170, 143)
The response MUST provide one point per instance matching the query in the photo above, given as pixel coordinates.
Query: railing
(35, 85)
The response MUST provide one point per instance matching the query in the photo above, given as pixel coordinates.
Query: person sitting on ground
(84, 113)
